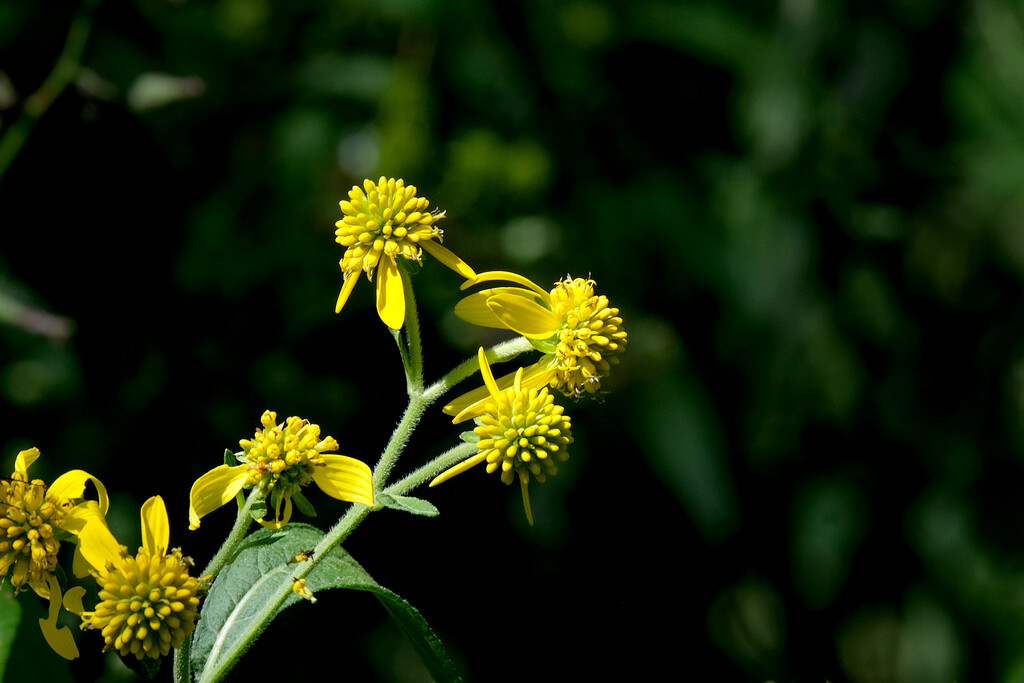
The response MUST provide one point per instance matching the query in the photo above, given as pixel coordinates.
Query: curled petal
(345, 478)
(448, 258)
(60, 639)
(279, 521)
(156, 531)
(509, 276)
(473, 308)
(214, 489)
(25, 460)
(72, 485)
(526, 317)
(73, 600)
(390, 296)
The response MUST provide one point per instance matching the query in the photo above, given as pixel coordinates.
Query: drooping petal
(448, 258)
(473, 308)
(72, 485)
(346, 289)
(526, 317)
(214, 489)
(156, 532)
(60, 639)
(390, 296)
(25, 460)
(345, 478)
(279, 521)
(493, 275)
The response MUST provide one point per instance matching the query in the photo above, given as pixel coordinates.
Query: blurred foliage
(816, 438)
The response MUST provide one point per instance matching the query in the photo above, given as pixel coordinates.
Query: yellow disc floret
(381, 218)
(28, 519)
(147, 604)
(282, 458)
(590, 337)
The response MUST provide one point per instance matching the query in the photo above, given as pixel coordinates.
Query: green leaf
(10, 617)
(229, 458)
(305, 507)
(258, 510)
(470, 437)
(416, 506)
(245, 586)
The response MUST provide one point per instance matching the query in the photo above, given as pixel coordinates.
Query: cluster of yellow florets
(590, 339)
(147, 605)
(284, 456)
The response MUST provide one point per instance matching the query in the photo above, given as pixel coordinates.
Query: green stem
(419, 401)
(182, 666)
(64, 72)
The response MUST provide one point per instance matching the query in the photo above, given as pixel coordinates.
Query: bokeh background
(809, 212)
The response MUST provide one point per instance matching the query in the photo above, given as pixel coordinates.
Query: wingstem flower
(280, 460)
(384, 221)
(34, 519)
(579, 333)
(522, 433)
(147, 602)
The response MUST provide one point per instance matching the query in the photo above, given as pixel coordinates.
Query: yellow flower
(578, 332)
(522, 433)
(384, 221)
(147, 603)
(34, 520)
(280, 460)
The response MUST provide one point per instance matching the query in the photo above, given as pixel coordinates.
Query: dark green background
(810, 214)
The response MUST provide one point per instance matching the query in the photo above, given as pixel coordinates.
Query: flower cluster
(148, 603)
(385, 221)
(522, 433)
(577, 331)
(280, 460)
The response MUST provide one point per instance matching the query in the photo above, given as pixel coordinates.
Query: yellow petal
(214, 489)
(526, 317)
(346, 289)
(279, 521)
(84, 513)
(156, 533)
(485, 372)
(73, 600)
(72, 485)
(345, 478)
(98, 547)
(493, 275)
(460, 468)
(473, 308)
(390, 297)
(60, 639)
(447, 257)
(25, 460)
(471, 404)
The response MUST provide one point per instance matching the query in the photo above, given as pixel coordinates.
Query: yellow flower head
(33, 521)
(147, 603)
(385, 221)
(280, 460)
(579, 333)
(522, 433)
